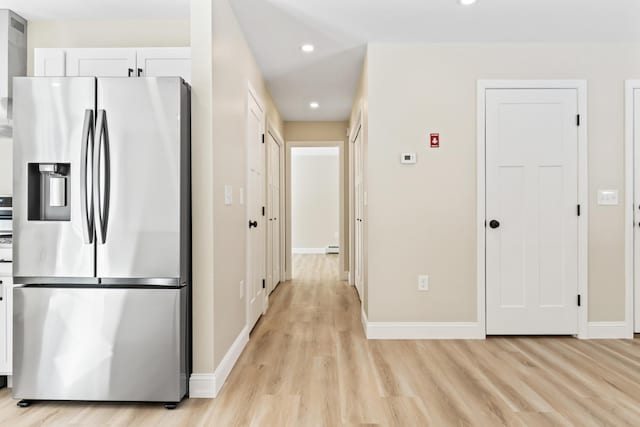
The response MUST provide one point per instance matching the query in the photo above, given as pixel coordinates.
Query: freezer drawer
(100, 344)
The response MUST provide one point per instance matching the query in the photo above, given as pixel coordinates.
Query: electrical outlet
(423, 283)
(241, 289)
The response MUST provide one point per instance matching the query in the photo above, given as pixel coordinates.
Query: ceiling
(340, 29)
(98, 9)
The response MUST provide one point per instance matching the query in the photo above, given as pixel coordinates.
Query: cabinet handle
(130, 72)
(139, 72)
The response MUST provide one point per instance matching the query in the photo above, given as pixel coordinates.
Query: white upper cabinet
(114, 62)
(165, 62)
(101, 62)
(50, 62)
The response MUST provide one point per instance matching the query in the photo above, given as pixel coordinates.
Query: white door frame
(632, 290)
(583, 188)
(353, 134)
(273, 131)
(251, 93)
(288, 244)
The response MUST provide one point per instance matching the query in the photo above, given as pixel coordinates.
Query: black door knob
(253, 224)
(494, 224)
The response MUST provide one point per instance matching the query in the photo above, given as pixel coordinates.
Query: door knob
(494, 224)
(253, 224)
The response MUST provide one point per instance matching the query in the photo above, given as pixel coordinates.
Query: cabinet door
(49, 63)
(6, 325)
(165, 62)
(104, 62)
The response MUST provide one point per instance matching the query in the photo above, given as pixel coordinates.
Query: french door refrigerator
(102, 239)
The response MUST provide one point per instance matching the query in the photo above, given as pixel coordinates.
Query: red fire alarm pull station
(435, 140)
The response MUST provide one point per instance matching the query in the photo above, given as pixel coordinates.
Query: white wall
(6, 169)
(233, 68)
(423, 219)
(315, 197)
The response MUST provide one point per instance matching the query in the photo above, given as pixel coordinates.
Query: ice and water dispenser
(49, 189)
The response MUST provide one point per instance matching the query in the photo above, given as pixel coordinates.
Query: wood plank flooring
(309, 364)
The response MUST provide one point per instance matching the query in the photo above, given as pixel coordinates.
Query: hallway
(309, 364)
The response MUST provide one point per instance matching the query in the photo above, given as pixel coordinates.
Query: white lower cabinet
(6, 325)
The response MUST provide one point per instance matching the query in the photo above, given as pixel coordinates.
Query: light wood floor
(309, 364)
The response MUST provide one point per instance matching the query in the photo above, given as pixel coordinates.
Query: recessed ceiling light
(307, 48)
(467, 2)
(314, 105)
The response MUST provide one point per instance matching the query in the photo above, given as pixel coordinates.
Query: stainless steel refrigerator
(101, 239)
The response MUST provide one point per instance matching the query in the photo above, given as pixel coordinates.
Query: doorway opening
(316, 191)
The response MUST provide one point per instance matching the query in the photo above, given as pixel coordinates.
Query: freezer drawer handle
(86, 199)
(101, 199)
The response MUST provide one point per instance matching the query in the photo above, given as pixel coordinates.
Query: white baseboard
(364, 320)
(208, 386)
(202, 386)
(608, 330)
(422, 330)
(306, 251)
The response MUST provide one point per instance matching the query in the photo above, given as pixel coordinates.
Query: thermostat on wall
(408, 158)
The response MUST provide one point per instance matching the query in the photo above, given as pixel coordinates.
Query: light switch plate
(608, 197)
(228, 195)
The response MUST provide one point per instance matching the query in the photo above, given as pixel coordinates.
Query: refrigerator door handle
(86, 199)
(101, 198)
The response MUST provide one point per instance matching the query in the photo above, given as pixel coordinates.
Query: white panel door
(274, 213)
(164, 62)
(531, 211)
(359, 214)
(49, 63)
(636, 208)
(256, 244)
(106, 62)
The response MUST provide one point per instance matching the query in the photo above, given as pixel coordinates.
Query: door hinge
(263, 211)
(579, 301)
(264, 284)
(578, 210)
(578, 119)
(263, 138)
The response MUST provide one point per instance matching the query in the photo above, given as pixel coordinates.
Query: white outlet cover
(423, 283)
(608, 197)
